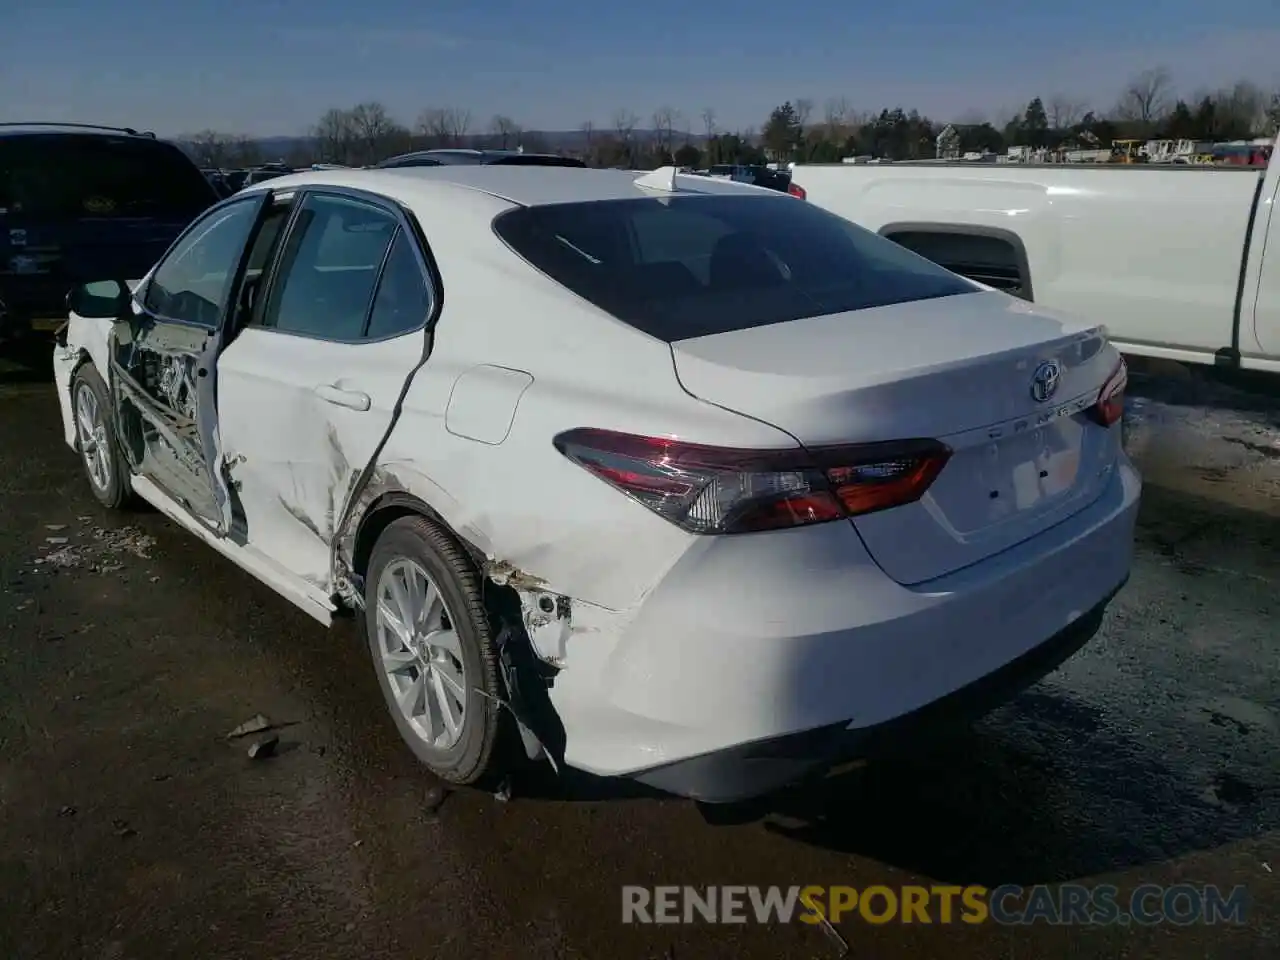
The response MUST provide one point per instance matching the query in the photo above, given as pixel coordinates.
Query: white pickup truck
(1180, 262)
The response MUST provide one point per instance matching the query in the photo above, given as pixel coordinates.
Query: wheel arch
(387, 507)
(80, 357)
(525, 678)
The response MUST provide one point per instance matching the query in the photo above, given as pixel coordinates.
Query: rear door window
(692, 266)
(329, 267)
(403, 299)
(80, 177)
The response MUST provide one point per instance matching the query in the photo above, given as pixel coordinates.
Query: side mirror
(101, 300)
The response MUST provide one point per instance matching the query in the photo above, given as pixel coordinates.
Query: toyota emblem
(1044, 382)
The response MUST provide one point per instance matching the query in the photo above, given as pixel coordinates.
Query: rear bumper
(749, 642)
(759, 768)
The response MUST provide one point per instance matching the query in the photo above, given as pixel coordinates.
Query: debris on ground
(67, 811)
(123, 830)
(255, 724)
(101, 551)
(55, 527)
(833, 935)
(435, 798)
(266, 747)
(503, 793)
(433, 801)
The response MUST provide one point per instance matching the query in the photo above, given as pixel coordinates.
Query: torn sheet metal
(547, 616)
(166, 414)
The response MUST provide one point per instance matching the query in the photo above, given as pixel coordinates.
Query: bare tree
(244, 152)
(212, 149)
(1242, 107)
(1146, 98)
(624, 122)
(335, 136)
(836, 117)
(804, 110)
(432, 127)
(1065, 113)
(459, 122)
(505, 131)
(444, 126)
(709, 122)
(664, 125)
(373, 130)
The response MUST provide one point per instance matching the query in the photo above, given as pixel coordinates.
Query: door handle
(351, 399)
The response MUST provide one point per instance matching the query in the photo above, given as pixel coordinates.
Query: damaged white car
(708, 486)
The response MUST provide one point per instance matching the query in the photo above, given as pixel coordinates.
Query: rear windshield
(682, 267)
(76, 177)
(411, 161)
(537, 160)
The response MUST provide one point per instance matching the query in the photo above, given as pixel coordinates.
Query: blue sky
(272, 66)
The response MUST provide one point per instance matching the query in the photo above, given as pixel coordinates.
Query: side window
(403, 299)
(264, 245)
(329, 268)
(191, 284)
(265, 242)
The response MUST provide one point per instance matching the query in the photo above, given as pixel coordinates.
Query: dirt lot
(130, 827)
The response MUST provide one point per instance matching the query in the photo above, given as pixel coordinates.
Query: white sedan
(659, 476)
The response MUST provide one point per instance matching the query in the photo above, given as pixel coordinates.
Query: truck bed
(1153, 251)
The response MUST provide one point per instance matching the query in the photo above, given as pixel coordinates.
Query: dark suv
(81, 202)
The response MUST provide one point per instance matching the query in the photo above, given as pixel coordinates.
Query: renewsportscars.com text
(1064, 904)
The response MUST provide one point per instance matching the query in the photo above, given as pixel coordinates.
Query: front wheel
(432, 646)
(104, 463)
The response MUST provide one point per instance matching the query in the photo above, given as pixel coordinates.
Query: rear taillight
(716, 490)
(797, 191)
(1110, 406)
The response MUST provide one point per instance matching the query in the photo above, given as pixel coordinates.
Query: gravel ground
(131, 827)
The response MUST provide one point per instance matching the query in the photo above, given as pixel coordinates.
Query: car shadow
(26, 361)
(1218, 388)
(1058, 799)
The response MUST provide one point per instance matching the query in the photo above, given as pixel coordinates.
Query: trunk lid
(956, 369)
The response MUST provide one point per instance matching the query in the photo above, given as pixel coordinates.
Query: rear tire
(100, 454)
(440, 676)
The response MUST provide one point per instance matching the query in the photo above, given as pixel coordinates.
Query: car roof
(527, 186)
(48, 129)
